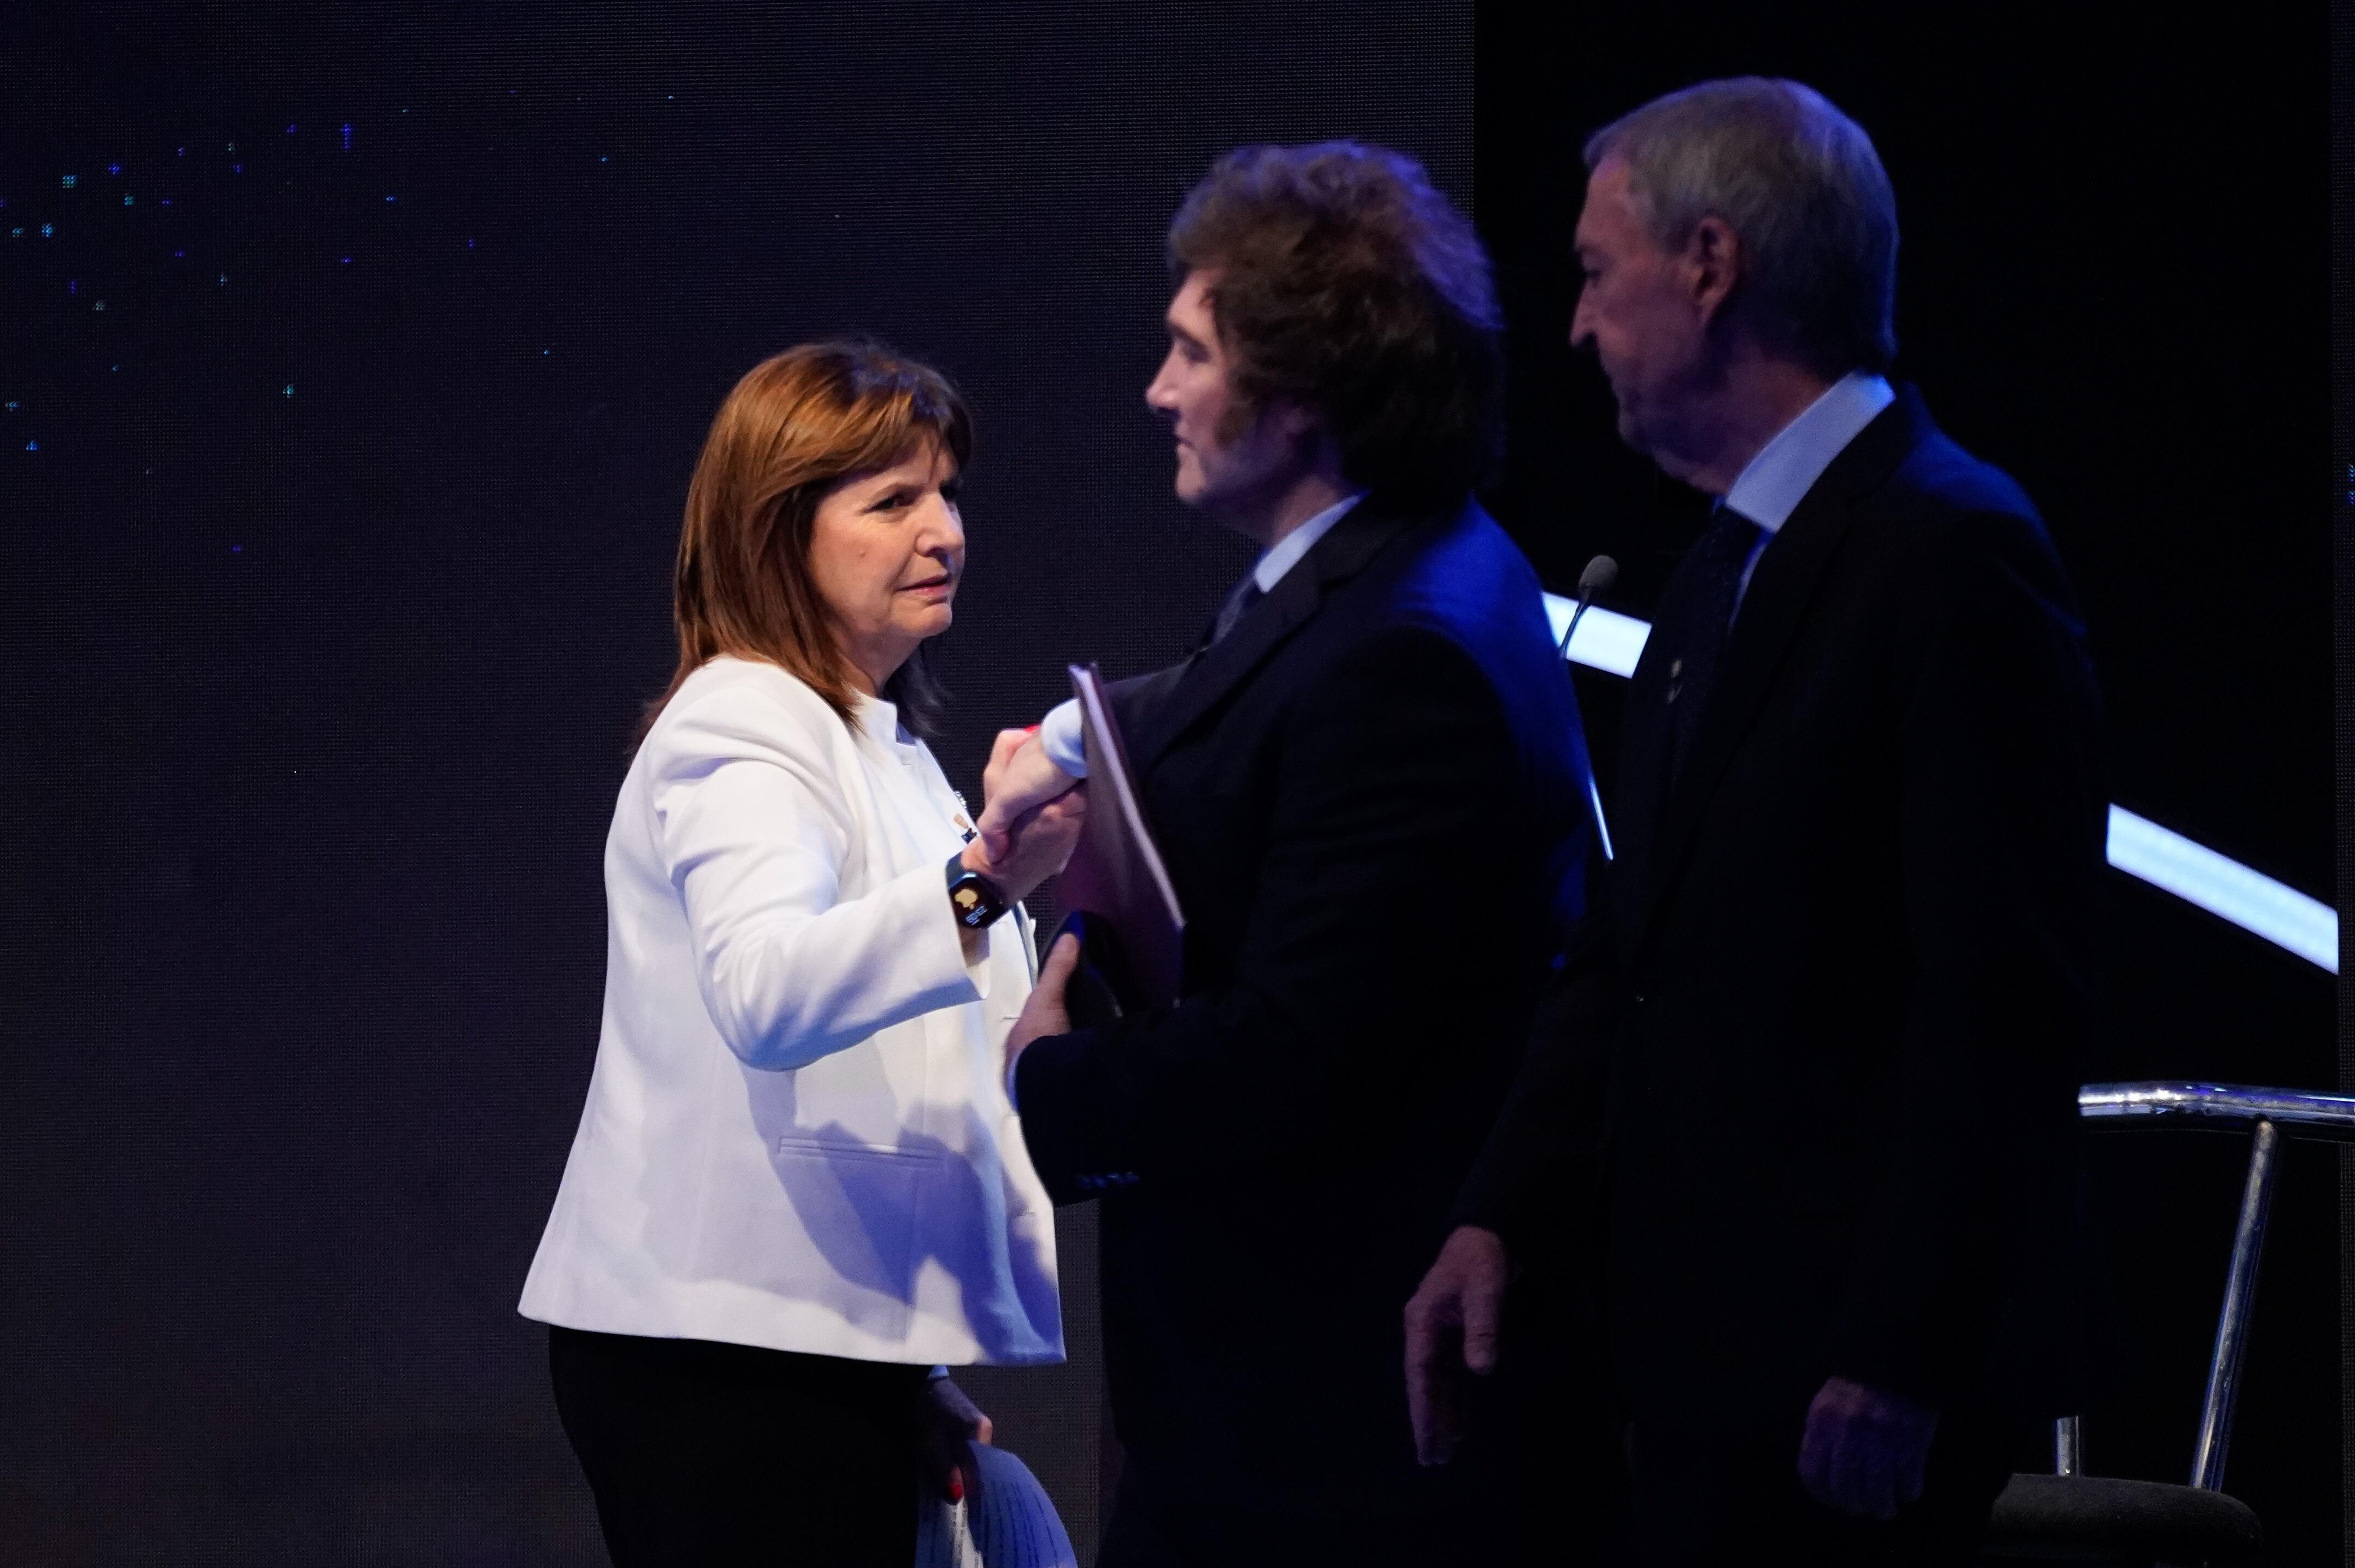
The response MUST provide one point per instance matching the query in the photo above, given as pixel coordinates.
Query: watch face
(974, 901)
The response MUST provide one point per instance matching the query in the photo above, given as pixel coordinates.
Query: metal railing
(2266, 1114)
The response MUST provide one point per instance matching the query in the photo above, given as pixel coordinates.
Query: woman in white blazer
(798, 1186)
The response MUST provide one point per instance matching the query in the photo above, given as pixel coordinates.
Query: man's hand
(947, 1422)
(1018, 780)
(1045, 1012)
(1451, 1328)
(1865, 1450)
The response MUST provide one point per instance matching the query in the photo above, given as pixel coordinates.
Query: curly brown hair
(1349, 284)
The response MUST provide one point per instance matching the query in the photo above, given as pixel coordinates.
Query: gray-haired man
(1815, 1060)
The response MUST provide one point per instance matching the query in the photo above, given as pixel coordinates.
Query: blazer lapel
(1211, 675)
(1772, 611)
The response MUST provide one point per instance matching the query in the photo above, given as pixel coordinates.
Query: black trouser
(703, 1454)
(1704, 1500)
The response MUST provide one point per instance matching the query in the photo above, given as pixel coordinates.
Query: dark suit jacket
(1369, 796)
(1839, 984)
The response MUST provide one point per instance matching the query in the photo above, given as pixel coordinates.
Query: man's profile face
(1227, 457)
(1638, 308)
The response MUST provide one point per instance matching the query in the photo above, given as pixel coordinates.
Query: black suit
(1369, 796)
(1838, 990)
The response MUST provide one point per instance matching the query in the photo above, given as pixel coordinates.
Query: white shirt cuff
(1064, 738)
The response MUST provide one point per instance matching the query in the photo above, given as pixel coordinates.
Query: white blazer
(798, 1132)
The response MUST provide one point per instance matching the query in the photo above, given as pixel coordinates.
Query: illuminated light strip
(1607, 640)
(2250, 900)
(2138, 847)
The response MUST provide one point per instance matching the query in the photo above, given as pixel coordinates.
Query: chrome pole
(2232, 1323)
(2068, 1446)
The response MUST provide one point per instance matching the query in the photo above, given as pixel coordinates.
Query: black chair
(2070, 1517)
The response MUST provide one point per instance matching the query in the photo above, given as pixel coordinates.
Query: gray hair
(1800, 186)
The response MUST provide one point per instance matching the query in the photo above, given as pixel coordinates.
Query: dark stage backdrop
(2342, 545)
(354, 360)
(2115, 282)
(350, 389)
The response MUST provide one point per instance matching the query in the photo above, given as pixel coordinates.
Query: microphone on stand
(1600, 574)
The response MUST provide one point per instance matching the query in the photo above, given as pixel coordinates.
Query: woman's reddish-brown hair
(797, 425)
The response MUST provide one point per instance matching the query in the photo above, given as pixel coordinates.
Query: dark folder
(1132, 933)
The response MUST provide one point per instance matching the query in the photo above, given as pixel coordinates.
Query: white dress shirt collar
(878, 720)
(1788, 467)
(1286, 553)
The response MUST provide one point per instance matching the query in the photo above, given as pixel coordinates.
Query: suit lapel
(1781, 589)
(1211, 675)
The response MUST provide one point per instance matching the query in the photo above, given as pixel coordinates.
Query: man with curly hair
(1368, 784)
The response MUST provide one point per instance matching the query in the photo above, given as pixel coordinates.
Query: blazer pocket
(857, 1207)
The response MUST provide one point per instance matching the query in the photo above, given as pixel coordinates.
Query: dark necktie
(1703, 621)
(1235, 606)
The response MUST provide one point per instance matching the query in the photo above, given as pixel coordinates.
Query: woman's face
(886, 551)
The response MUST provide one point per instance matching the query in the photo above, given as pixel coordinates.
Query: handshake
(1030, 823)
(1031, 816)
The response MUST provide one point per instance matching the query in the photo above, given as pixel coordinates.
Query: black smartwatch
(978, 901)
